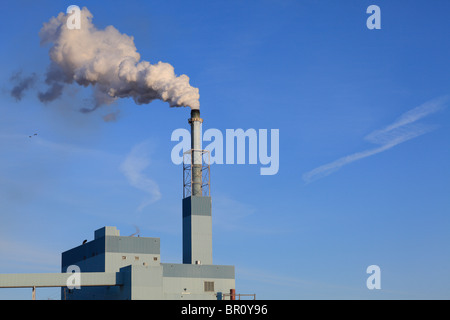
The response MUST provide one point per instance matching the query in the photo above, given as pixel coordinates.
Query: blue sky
(363, 117)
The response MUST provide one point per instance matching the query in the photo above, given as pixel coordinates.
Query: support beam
(34, 280)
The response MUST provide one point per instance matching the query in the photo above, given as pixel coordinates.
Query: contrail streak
(400, 131)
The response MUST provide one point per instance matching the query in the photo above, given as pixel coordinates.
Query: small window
(124, 257)
(209, 286)
(136, 258)
(155, 258)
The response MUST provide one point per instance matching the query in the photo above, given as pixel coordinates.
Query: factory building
(115, 267)
(137, 262)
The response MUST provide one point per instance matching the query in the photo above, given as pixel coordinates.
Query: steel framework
(188, 157)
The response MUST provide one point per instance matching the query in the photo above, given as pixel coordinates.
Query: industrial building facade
(137, 265)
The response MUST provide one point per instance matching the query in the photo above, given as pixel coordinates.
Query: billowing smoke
(21, 84)
(108, 61)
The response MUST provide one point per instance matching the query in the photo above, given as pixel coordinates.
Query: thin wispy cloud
(231, 215)
(403, 129)
(21, 255)
(73, 150)
(307, 287)
(134, 166)
(22, 140)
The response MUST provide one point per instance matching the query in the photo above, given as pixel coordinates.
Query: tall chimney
(197, 220)
(196, 156)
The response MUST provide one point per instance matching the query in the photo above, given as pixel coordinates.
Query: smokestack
(196, 155)
(197, 219)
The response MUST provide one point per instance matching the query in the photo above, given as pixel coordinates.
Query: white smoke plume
(109, 62)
